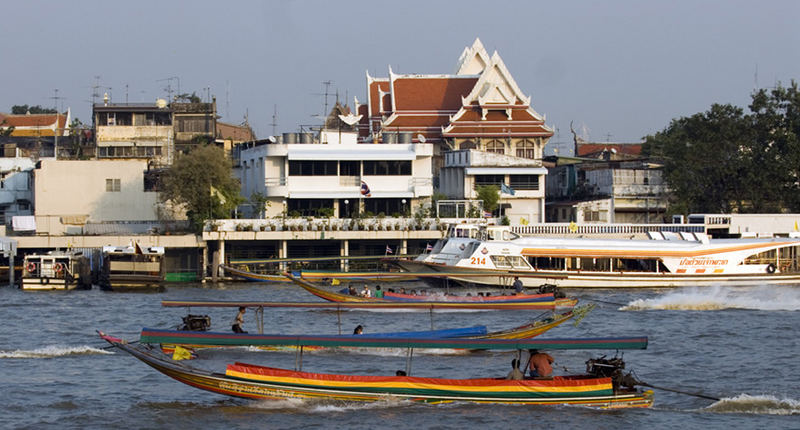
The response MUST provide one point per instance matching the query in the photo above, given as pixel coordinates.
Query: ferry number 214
(478, 260)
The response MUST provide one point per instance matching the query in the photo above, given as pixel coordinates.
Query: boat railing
(594, 229)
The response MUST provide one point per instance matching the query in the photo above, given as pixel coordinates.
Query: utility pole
(274, 118)
(56, 98)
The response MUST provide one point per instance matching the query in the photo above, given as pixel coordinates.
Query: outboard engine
(603, 367)
(196, 323)
(552, 288)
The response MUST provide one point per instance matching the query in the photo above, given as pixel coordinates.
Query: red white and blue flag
(364, 189)
(388, 249)
(428, 247)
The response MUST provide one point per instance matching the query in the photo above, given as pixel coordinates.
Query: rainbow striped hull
(257, 382)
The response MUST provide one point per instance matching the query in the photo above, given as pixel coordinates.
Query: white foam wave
(759, 404)
(326, 406)
(772, 298)
(53, 351)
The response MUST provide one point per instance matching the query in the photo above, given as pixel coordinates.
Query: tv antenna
(168, 88)
(327, 92)
(274, 119)
(56, 98)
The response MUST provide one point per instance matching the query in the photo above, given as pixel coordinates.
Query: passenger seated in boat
(359, 329)
(402, 291)
(540, 364)
(366, 292)
(378, 292)
(400, 373)
(515, 374)
(517, 285)
(351, 290)
(237, 323)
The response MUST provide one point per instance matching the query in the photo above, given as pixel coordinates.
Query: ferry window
(518, 262)
(635, 265)
(113, 185)
(501, 261)
(547, 263)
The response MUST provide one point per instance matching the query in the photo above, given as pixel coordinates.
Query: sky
(618, 70)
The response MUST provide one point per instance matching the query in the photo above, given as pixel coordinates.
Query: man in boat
(359, 329)
(517, 285)
(237, 323)
(515, 374)
(540, 364)
(378, 292)
(351, 290)
(366, 292)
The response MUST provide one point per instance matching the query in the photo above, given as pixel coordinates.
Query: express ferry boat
(472, 254)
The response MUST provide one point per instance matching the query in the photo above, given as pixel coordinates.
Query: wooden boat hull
(257, 382)
(498, 302)
(247, 275)
(168, 339)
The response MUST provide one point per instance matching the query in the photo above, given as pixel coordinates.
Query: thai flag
(364, 189)
(428, 247)
(388, 249)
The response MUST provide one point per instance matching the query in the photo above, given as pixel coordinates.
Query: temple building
(478, 107)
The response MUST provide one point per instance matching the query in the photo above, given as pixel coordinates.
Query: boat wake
(53, 351)
(326, 406)
(761, 404)
(773, 298)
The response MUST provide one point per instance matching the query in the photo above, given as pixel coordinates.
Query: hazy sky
(619, 69)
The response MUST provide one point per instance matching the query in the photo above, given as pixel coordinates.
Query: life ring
(770, 268)
(59, 268)
(30, 267)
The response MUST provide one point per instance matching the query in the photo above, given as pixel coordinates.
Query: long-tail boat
(168, 339)
(519, 299)
(595, 389)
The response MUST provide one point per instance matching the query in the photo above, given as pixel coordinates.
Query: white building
(77, 191)
(334, 172)
(16, 195)
(464, 170)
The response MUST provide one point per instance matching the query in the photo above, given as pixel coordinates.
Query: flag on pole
(364, 189)
(388, 249)
(216, 193)
(505, 189)
(428, 247)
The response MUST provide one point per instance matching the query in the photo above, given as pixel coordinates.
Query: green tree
(490, 194)
(776, 148)
(23, 109)
(201, 181)
(704, 159)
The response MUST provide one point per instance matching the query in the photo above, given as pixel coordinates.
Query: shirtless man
(541, 364)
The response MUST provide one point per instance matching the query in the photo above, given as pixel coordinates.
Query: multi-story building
(606, 183)
(134, 130)
(332, 173)
(478, 107)
(16, 195)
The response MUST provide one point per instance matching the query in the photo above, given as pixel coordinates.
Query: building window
(312, 168)
(526, 149)
(496, 146)
(112, 185)
(387, 168)
(524, 182)
(349, 168)
(489, 180)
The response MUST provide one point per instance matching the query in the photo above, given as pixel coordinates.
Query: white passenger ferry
(493, 255)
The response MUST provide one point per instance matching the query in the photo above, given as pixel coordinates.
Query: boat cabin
(56, 270)
(132, 266)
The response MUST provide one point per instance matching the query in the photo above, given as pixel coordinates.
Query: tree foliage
(490, 194)
(723, 160)
(23, 109)
(201, 181)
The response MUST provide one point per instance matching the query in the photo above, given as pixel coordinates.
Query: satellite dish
(350, 119)
(272, 139)
(421, 138)
(161, 103)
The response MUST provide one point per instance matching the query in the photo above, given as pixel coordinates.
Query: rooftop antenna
(56, 98)
(327, 85)
(95, 87)
(608, 137)
(755, 78)
(274, 119)
(126, 93)
(227, 100)
(168, 89)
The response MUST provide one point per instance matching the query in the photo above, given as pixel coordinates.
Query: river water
(737, 344)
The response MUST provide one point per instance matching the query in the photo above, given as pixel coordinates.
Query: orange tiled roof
(374, 101)
(431, 93)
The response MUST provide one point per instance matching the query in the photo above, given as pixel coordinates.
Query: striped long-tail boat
(260, 382)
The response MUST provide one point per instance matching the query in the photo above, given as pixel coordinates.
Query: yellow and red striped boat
(259, 382)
